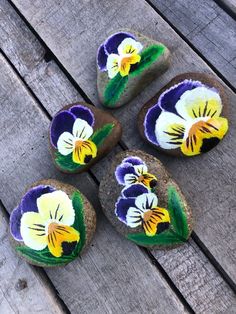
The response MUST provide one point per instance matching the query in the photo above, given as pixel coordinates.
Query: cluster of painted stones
(54, 222)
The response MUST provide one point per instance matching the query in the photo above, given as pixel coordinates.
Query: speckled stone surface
(80, 222)
(199, 115)
(124, 86)
(81, 134)
(110, 192)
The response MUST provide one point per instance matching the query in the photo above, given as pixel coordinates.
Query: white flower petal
(133, 217)
(33, 231)
(130, 178)
(65, 143)
(146, 201)
(113, 61)
(199, 102)
(169, 130)
(140, 169)
(56, 206)
(82, 130)
(129, 46)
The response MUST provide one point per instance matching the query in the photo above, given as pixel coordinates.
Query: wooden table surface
(47, 60)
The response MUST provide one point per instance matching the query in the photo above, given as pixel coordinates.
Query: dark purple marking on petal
(102, 58)
(133, 160)
(169, 98)
(122, 170)
(122, 206)
(134, 190)
(15, 219)
(150, 123)
(112, 42)
(62, 122)
(84, 113)
(28, 202)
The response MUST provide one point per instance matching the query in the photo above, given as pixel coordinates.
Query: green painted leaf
(177, 213)
(148, 56)
(43, 257)
(66, 162)
(114, 89)
(168, 237)
(79, 225)
(101, 134)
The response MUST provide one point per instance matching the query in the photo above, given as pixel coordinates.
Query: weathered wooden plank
(93, 284)
(186, 278)
(19, 281)
(73, 34)
(208, 27)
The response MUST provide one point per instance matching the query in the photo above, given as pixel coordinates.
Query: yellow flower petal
(126, 63)
(152, 218)
(83, 152)
(203, 136)
(59, 237)
(148, 179)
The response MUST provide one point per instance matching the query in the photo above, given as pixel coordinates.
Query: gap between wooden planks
(73, 34)
(53, 88)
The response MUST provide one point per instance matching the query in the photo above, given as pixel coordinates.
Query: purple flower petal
(102, 58)
(122, 170)
(28, 202)
(62, 122)
(122, 206)
(112, 42)
(133, 160)
(169, 98)
(150, 123)
(15, 223)
(134, 190)
(83, 113)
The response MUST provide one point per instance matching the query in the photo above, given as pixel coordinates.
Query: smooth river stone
(53, 224)
(127, 62)
(81, 134)
(187, 117)
(144, 203)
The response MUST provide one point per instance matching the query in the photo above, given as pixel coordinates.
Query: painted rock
(187, 117)
(52, 224)
(81, 134)
(128, 61)
(144, 203)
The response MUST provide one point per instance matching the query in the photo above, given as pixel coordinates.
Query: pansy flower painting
(75, 140)
(147, 221)
(126, 61)
(187, 119)
(48, 226)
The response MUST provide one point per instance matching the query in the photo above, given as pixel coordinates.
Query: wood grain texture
(188, 260)
(19, 281)
(95, 283)
(71, 31)
(208, 27)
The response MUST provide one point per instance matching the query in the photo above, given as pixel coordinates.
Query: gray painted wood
(208, 27)
(187, 267)
(113, 271)
(72, 32)
(19, 282)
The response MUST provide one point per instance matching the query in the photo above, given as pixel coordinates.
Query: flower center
(52, 227)
(78, 144)
(140, 178)
(147, 215)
